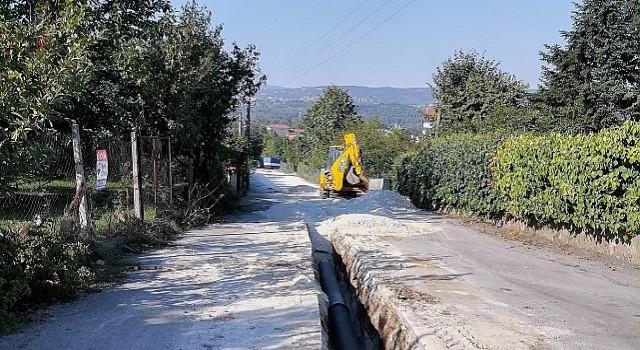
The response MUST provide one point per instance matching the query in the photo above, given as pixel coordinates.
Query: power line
(355, 41)
(335, 40)
(320, 38)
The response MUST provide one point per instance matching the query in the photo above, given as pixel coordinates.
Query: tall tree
(470, 88)
(115, 99)
(594, 80)
(325, 120)
(166, 72)
(44, 62)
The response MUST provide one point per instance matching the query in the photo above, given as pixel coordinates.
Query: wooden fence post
(137, 183)
(83, 207)
(189, 180)
(170, 174)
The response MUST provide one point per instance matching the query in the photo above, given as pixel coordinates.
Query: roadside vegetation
(565, 156)
(112, 67)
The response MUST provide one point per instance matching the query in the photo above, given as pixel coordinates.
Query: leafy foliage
(167, 73)
(452, 172)
(380, 146)
(325, 121)
(40, 267)
(470, 89)
(44, 62)
(584, 183)
(593, 81)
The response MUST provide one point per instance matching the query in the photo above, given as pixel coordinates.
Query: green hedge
(584, 183)
(451, 172)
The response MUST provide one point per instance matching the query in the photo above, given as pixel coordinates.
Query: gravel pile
(384, 199)
(373, 209)
(385, 203)
(300, 189)
(360, 221)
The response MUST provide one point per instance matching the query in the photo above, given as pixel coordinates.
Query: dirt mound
(383, 199)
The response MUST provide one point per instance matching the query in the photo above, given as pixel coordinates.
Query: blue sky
(373, 47)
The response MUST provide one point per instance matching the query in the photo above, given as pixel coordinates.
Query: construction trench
(345, 319)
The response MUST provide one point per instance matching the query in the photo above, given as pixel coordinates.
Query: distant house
(431, 112)
(284, 131)
(430, 118)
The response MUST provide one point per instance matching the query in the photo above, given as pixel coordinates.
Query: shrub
(583, 183)
(40, 266)
(308, 173)
(452, 172)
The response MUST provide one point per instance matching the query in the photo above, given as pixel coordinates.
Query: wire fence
(38, 186)
(113, 201)
(39, 182)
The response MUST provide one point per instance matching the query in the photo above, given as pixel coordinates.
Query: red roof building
(431, 112)
(284, 131)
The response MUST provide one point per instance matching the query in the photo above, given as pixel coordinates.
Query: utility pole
(248, 126)
(248, 136)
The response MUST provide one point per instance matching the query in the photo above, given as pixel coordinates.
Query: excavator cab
(334, 153)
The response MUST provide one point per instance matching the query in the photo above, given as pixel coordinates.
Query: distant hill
(395, 106)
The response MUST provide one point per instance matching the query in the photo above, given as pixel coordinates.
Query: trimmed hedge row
(587, 183)
(583, 183)
(451, 172)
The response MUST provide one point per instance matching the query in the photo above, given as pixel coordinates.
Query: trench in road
(290, 198)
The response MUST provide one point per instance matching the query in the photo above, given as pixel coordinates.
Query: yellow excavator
(344, 174)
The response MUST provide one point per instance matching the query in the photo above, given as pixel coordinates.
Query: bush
(451, 172)
(583, 183)
(40, 266)
(308, 173)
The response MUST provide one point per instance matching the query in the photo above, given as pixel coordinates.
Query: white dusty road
(247, 283)
(428, 282)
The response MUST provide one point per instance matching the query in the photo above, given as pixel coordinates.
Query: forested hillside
(395, 106)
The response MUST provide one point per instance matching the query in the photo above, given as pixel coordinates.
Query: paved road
(457, 288)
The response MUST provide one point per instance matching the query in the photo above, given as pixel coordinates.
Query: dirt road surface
(427, 281)
(247, 283)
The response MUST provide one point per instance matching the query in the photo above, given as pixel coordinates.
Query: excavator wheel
(324, 193)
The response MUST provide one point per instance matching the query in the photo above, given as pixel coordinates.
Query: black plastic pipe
(329, 283)
(343, 335)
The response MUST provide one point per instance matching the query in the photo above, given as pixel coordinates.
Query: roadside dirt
(529, 237)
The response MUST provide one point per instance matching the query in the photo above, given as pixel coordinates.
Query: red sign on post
(102, 169)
